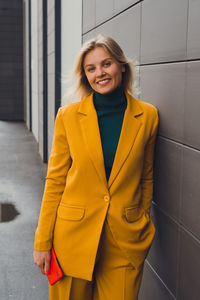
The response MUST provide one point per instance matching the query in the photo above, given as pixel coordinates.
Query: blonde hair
(82, 87)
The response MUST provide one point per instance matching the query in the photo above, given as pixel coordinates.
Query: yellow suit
(78, 198)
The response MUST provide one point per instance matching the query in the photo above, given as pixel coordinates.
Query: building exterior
(164, 38)
(11, 61)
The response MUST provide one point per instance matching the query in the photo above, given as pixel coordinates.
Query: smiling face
(103, 73)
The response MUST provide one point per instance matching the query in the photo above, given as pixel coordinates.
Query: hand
(42, 259)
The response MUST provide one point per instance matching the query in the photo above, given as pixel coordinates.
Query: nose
(100, 72)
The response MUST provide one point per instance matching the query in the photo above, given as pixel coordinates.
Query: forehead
(96, 55)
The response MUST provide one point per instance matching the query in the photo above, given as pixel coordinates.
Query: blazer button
(106, 198)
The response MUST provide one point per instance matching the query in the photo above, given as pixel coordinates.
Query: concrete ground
(22, 176)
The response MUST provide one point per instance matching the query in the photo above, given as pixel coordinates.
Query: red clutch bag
(55, 272)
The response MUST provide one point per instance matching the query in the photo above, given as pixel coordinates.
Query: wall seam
(109, 19)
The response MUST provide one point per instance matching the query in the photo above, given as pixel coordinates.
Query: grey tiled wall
(164, 37)
(50, 75)
(40, 78)
(51, 70)
(11, 60)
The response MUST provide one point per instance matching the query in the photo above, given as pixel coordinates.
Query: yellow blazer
(77, 197)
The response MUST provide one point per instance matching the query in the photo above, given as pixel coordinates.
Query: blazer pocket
(74, 213)
(133, 213)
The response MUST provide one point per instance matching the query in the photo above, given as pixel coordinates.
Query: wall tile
(192, 105)
(127, 31)
(51, 4)
(106, 28)
(190, 216)
(164, 86)
(164, 29)
(51, 42)
(189, 272)
(163, 253)
(193, 41)
(152, 287)
(88, 15)
(121, 5)
(14, 4)
(104, 10)
(89, 35)
(168, 159)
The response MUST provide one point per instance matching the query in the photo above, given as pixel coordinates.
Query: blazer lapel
(92, 138)
(129, 131)
(91, 135)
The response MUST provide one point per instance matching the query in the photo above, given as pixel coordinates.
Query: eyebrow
(102, 62)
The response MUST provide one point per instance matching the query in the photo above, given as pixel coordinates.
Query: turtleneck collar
(114, 99)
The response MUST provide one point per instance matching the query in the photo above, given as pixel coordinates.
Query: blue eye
(107, 64)
(90, 69)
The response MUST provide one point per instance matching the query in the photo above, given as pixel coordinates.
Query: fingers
(42, 260)
(41, 267)
(47, 264)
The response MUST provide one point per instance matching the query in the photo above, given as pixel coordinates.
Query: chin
(106, 91)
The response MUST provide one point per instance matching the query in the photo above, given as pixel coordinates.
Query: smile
(104, 81)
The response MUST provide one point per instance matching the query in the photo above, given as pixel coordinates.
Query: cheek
(119, 77)
(92, 78)
(117, 74)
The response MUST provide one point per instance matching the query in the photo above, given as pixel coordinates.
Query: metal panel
(106, 28)
(192, 105)
(57, 55)
(104, 10)
(89, 15)
(164, 30)
(189, 267)
(127, 31)
(152, 288)
(190, 207)
(45, 83)
(89, 35)
(164, 86)
(167, 191)
(163, 255)
(193, 41)
(120, 5)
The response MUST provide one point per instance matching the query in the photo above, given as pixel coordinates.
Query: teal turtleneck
(110, 110)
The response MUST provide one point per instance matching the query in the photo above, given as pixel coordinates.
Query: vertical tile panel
(89, 35)
(192, 105)
(104, 10)
(152, 288)
(164, 86)
(189, 287)
(106, 29)
(164, 28)
(167, 187)
(51, 76)
(88, 15)
(127, 31)
(163, 253)
(40, 80)
(120, 5)
(193, 41)
(190, 215)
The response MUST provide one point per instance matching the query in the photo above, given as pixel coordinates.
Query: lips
(103, 81)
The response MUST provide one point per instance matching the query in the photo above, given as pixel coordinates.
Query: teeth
(103, 81)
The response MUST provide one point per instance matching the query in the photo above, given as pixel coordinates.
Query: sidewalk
(21, 183)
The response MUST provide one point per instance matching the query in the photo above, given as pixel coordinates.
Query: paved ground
(21, 182)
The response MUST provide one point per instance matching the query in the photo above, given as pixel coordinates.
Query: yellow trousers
(113, 278)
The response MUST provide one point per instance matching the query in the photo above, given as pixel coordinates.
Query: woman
(98, 193)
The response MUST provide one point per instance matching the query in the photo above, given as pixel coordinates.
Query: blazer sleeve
(147, 174)
(58, 166)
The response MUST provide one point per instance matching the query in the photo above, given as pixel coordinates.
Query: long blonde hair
(82, 87)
